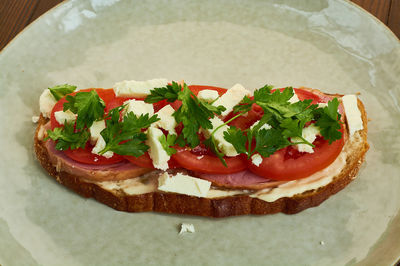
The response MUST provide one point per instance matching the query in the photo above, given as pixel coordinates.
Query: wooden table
(17, 14)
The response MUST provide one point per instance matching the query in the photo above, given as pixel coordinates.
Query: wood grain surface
(15, 15)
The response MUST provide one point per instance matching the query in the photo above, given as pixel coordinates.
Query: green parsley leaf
(210, 143)
(244, 105)
(268, 141)
(60, 91)
(125, 137)
(193, 113)
(170, 93)
(167, 142)
(328, 120)
(67, 138)
(88, 105)
(237, 138)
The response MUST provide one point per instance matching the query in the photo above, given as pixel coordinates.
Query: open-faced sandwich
(201, 150)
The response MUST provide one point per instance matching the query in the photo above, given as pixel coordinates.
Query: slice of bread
(226, 202)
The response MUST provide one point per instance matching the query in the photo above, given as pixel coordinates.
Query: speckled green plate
(331, 45)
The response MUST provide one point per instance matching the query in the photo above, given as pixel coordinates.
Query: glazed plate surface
(330, 45)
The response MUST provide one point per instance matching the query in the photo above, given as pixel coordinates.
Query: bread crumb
(322, 243)
(35, 119)
(189, 228)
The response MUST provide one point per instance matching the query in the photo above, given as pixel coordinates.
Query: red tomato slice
(284, 165)
(197, 88)
(244, 122)
(289, 164)
(208, 163)
(106, 94)
(86, 156)
(146, 162)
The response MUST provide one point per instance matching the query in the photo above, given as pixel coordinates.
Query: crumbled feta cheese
(322, 105)
(35, 119)
(310, 134)
(183, 184)
(140, 89)
(95, 130)
(156, 151)
(46, 103)
(294, 98)
(232, 97)
(189, 228)
(100, 145)
(256, 159)
(353, 114)
(226, 147)
(63, 117)
(208, 95)
(265, 126)
(167, 121)
(138, 107)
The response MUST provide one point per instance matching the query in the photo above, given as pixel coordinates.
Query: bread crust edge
(173, 203)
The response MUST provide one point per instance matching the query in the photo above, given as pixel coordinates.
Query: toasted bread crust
(216, 207)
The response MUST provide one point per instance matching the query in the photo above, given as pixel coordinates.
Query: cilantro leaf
(88, 105)
(125, 137)
(328, 120)
(167, 142)
(60, 91)
(67, 138)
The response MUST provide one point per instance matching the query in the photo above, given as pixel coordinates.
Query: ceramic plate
(331, 45)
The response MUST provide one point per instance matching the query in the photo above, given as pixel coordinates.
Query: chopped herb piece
(60, 91)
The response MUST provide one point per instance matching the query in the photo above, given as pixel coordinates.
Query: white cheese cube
(140, 89)
(138, 107)
(208, 95)
(353, 114)
(63, 117)
(156, 151)
(100, 145)
(256, 159)
(95, 130)
(294, 99)
(226, 147)
(232, 97)
(46, 103)
(187, 228)
(310, 134)
(167, 121)
(184, 184)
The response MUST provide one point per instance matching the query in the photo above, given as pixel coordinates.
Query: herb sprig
(193, 113)
(67, 138)
(60, 91)
(286, 120)
(126, 137)
(87, 105)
